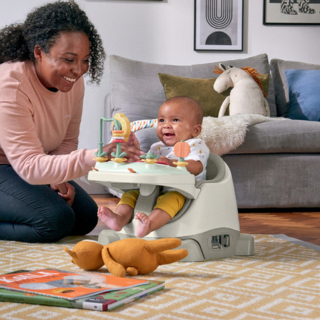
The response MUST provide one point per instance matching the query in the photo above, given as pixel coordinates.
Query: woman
(42, 63)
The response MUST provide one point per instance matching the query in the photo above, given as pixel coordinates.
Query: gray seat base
(214, 244)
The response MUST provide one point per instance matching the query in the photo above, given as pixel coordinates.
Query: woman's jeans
(36, 213)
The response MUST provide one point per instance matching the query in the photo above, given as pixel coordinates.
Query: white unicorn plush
(247, 95)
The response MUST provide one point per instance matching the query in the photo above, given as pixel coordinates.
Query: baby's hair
(192, 103)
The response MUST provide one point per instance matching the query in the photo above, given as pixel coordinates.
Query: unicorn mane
(254, 74)
(217, 70)
(251, 71)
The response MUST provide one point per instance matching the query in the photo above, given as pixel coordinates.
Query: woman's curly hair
(43, 27)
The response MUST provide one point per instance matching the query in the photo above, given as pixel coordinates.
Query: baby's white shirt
(198, 152)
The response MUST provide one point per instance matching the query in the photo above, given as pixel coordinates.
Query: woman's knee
(49, 226)
(60, 222)
(55, 224)
(85, 210)
(32, 213)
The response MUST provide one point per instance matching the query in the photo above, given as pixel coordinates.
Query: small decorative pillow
(281, 90)
(304, 95)
(201, 90)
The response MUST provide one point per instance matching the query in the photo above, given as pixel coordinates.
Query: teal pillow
(304, 95)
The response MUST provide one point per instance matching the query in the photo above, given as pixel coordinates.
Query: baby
(179, 118)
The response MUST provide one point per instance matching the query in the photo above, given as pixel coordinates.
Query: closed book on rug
(65, 284)
(99, 302)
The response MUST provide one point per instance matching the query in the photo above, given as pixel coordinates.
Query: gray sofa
(277, 166)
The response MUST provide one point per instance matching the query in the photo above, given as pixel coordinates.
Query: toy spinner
(207, 224)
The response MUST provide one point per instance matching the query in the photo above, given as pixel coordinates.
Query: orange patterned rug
(281, 281)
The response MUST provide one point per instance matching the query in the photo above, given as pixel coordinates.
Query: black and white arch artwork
(218, 25)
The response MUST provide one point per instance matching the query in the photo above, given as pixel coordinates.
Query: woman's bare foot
(113, 220)
(143, 227)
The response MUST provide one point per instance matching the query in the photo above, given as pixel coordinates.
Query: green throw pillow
(200, 90)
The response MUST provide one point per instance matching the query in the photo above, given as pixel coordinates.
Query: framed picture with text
(291, 12)
(218, 25)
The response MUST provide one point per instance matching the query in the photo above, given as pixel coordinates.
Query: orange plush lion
(132, 256)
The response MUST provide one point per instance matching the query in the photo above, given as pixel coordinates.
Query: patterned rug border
(297, 241)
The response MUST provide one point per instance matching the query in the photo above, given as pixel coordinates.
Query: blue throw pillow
(304, 94)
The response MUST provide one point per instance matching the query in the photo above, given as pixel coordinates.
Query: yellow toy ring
(125, 125)
(181, 163)
(100, 159)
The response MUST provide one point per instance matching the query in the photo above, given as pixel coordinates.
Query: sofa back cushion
(137, 92)
(202, 91)
(281, 90)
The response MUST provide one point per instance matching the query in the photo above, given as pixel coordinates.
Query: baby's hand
(131, 148)
(166, 160)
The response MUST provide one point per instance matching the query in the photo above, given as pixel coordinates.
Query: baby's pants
(171, 202)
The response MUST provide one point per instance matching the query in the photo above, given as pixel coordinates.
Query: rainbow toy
(143, 124)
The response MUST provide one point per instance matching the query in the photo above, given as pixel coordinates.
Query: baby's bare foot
(109, 218)
(143, 227)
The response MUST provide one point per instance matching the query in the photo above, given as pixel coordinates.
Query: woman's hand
(65, 190)
(133, 141)
(131, 147)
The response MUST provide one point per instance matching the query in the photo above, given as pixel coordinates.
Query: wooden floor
(300, 225)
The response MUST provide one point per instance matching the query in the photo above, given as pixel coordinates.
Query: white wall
(162, 32)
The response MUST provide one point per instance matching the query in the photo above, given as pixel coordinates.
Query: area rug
(281, 281)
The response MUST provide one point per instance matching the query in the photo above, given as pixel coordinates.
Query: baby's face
(176, 122)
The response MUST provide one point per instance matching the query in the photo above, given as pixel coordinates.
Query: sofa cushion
(137, 91)
(201, 90)
(304, 95)
(146, 138)
(281, 91)
(198, 89)
(287, 136)
(275, 180)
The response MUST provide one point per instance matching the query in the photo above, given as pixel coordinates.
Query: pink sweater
(39, 129)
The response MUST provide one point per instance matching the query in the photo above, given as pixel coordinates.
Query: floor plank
(300, 225)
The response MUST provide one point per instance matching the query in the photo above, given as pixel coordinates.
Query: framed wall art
(291, 12)
(218, 25)
(122, 0)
